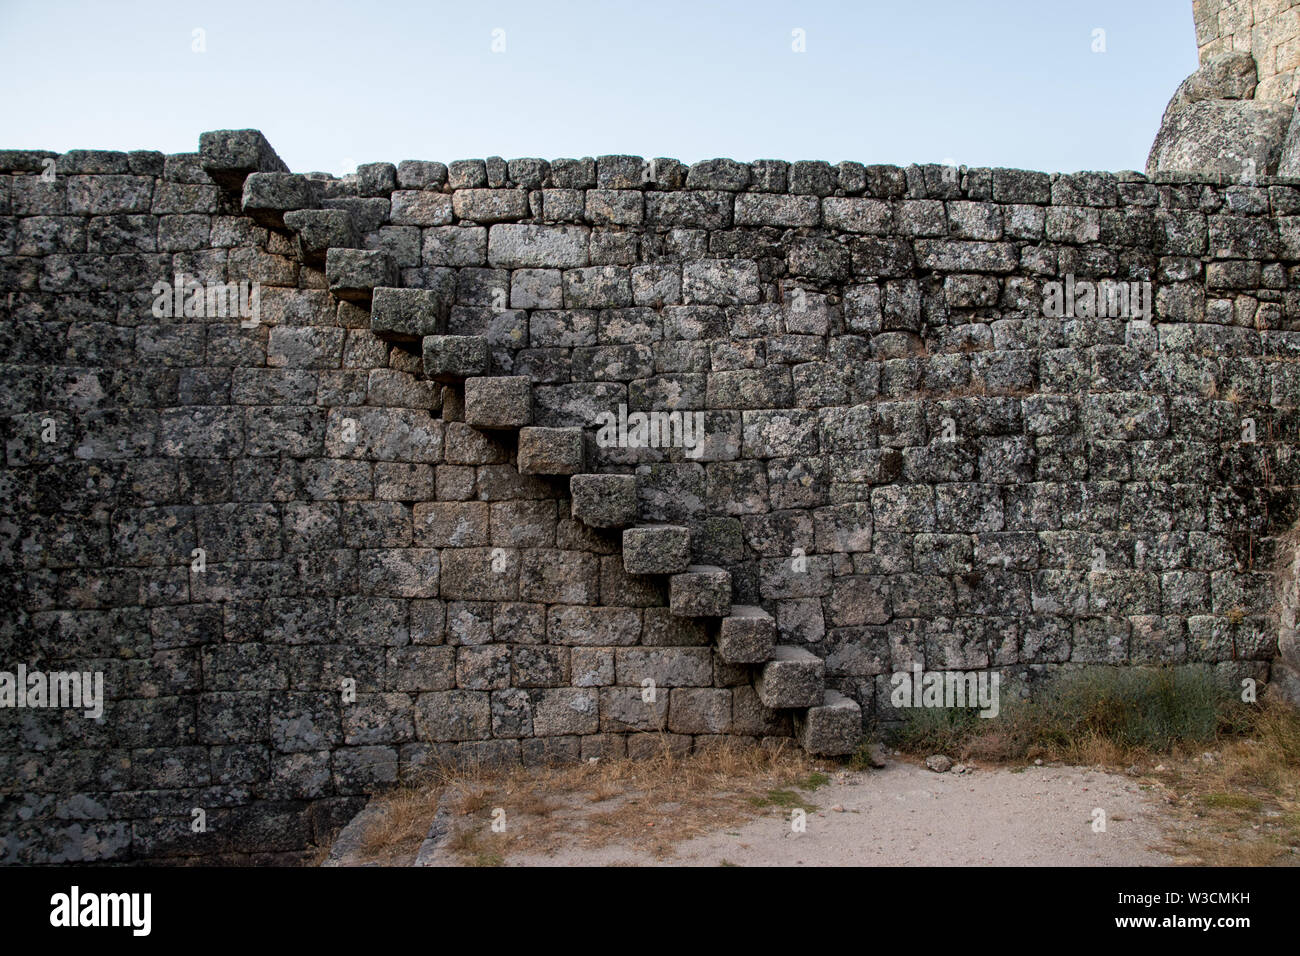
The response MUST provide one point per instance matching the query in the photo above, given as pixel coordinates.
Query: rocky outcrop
(1212, 126)
(1238, 139)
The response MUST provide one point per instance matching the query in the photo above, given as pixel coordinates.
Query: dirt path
(907, 815)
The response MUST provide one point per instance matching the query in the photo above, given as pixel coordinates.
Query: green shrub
(937, 729)
(1131, 707)
(1151, 708)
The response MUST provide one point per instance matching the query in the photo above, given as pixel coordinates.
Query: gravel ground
(906, 815)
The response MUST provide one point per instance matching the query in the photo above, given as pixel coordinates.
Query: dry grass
(648, 804)
(1240, 807)
(1235, 803)
(395, 835)
(1228, 772)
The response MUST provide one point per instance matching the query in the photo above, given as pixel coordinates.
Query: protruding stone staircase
(786, 678)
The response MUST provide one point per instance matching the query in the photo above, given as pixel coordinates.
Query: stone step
(408, 315)
(656, 549)
(833, 728)
(499, 402)
(550, 451)
(603, 501)
(792, 677)
(451, 358)
(354, 274)
(229, 156)
(747, 635)
(268, 196)
(320, 230)
(702, 590)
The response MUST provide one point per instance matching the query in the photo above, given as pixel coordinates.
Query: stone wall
(906, 461)
(1269, 30)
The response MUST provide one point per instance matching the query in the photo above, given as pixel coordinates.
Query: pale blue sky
(333, 84)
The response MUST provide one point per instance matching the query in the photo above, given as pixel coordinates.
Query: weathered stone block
(565, 710)
(793, 677)
(450, 358)
(625, 709)
(498, 402)
(521, 246)
(420, 207)
(720, 282)
(550, 451)
(319, 230)
(485, 574)
(563, 576)
(488, 205)
(701, 591)
(536, 289)
(774, 209)
(699, 710)
(747, 635)
(454, 715)
(409, 314)
(268, 196)
(230, 155)
(656, 549)
(593, 626)
(869, 216)
(832, 728)
(664, 666)
(420, 174)
(1237, 138)
(724, 174)
(354, 274)
(604, 501)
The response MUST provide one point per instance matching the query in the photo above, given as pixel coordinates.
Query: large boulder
(1236, 138)
(1212, 125)
(1228, 76)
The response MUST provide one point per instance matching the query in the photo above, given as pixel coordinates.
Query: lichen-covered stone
(832, 728)
(656, 549)
(450, 358)
(268, 196)
(905, 454)
(550, 451)
(504, 402)
(701, 590)
(1236, 138)
(604, 501)
(409, 314)
(747, 635)
(319, 230)
(230, 155)
(792, 677)
(354, 274)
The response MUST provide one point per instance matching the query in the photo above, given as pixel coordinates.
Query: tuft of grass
(930, 730)
(786, 799)
(814, 780)
(1231, 801)
(1243, 807)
